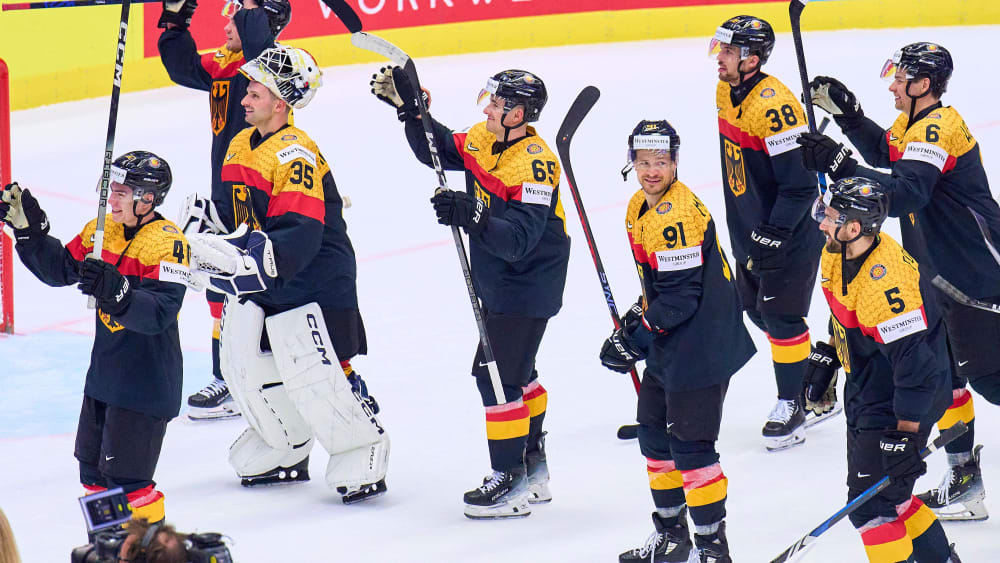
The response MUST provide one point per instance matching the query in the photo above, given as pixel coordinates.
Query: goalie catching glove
(199, 215)
(236, 263)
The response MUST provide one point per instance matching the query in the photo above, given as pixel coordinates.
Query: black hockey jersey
(218, 73)
(519, 262)
(889, 337)
(136, 360)
(936, 184)
(764, 180)
(282, 185)
(688, 292)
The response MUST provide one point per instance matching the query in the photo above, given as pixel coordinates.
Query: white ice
(421, 331)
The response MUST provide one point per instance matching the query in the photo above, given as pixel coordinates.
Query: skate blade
(813, 419)
(365, 493)
(516, 508)
(779, 443)
(962, 512)
(221, 412)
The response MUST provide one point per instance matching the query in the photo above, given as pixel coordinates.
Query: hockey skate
(961, 493)
(362, 493)
(503, 494)
(538, 473)
(713, 548)
(212, 403)
(668, 544)
(279, 475)
(785, 426)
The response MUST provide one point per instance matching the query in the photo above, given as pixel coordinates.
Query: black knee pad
(784, 326)
(694, 454)
(485, 386)
(654, 443)
(988, 386)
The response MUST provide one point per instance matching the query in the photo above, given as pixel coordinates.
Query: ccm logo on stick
(317, 338)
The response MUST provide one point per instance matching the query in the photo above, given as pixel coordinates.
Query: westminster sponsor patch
(174, 272)
(926, 152)
(291, 152)
(681, 259)
(784, 142)
(538, 194)
(902, 325)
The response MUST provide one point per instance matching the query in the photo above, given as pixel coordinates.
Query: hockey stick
(807, 541)
(984, 230)
(109, 145)
(345, 13)
(378, 45)
(958, 295)
(69, 4)
(795, 8)
(579, 110)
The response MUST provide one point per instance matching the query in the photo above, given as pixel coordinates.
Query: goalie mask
(289, 73)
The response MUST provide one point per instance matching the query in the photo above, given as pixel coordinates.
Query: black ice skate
(503, 494)
(668, 544)
(961, 493)
(212, 403)
(785, 426)
(362, 493)
(713, 548)
(538, 473)
(279, 475)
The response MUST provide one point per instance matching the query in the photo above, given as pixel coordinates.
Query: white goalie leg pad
(250, 455)
(258, 390)
(316, 384)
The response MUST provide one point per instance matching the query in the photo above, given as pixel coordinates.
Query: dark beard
(832, 245)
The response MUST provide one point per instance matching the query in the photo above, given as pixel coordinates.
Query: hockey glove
(901, 460)
(199, 215)
(620, 352)
(821, 375)
(461, 209)
(235, 262)
(177, 14)
(768, 246)
(830, 95)
(822, 154)
(392, 86)
(103, 280)
(21, 211)
(634, 314)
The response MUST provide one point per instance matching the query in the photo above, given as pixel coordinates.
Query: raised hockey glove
(392, 86)
(901, 459)
(768, 246)
(236, 263)
(462, 210)
(103, 280)
(620, 352)
(199, 215)
(21, 211)
(821, 374)
(830, 95)
(822, 154)
(177, 14)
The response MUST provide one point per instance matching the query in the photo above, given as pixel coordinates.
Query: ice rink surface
(421, 331)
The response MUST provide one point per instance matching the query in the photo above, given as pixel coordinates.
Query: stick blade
(584, 101)
(628, 432)
(380, 46)
(346, 14)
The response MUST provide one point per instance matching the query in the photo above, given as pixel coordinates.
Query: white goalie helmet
(289, 73)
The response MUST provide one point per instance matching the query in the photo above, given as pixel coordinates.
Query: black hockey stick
(984, 229)
(807, 541)
(579, 110)
(795, 8)
(346, 14)
(68, 4)
(109, 144)
(957, 294)
(378, 45)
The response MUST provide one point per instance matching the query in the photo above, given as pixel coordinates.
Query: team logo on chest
(219, 102)
(111, 324)
(243, 207)
(736, 176)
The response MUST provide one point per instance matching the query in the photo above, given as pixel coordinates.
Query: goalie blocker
(292, 394)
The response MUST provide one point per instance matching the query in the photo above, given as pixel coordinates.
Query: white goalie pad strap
(254, 381)
(250, 455)
(360, 466)
(199, 215)
(315, 382)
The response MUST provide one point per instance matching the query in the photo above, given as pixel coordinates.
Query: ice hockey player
(768, 193)
(886, 327)
(687, 293)
(251, 28)
(133, 385)
(519, 252)
(291, 323)
(939, 190)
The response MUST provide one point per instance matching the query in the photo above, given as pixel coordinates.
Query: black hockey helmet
(279, 13)
(922, 60)
(856, 199)
(752, 35)
(652, 135)
(518, 87)
(145, 173)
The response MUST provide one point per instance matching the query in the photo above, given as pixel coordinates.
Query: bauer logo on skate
(902, 325)
(926, 152)
(539, 194)
(682, 259)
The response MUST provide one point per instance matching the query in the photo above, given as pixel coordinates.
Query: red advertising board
(311, 18)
